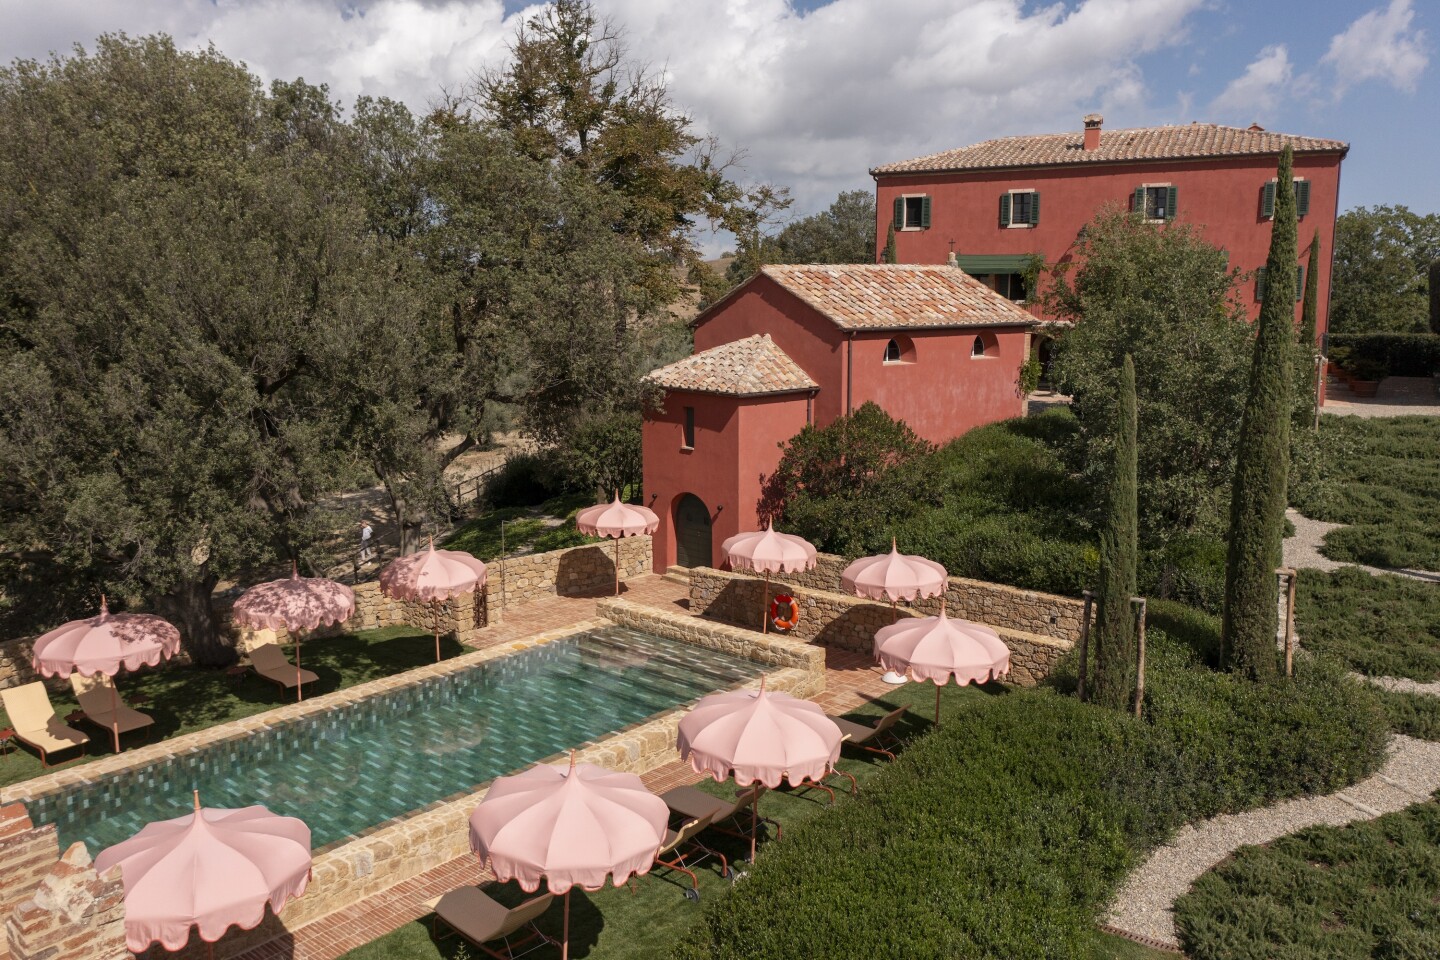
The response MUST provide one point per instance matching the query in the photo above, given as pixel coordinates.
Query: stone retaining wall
(573, 571)
(850, 623)
(1045, 614)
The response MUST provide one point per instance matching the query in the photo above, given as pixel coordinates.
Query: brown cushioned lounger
(479, 919)
(733, 818)
(686, 851)
(862, 735)
(271, 663)
(35, 723)
(104, 707)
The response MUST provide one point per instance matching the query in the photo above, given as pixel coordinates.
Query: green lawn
(1379, 625)
(526, 529)
(183, 699)
(1381, 475)
(1368, 890)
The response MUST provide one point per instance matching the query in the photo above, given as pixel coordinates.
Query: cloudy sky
(818, 91)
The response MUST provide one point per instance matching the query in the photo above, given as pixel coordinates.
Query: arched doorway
(692, 532)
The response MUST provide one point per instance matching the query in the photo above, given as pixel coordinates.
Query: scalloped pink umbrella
(568, 827)
(766, 551)
(295, 604)
(937, 648)
(894, 576)
(759, 735)
(106, 644)
(616, 520)
(433, 576)
(213, 868)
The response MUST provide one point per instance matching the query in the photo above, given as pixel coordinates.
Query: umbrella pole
(299, 687)
(437, 632)
(565, 947)
(617, 566)
(937, 704)
(765, 606)
(115, 714)
(754, 826)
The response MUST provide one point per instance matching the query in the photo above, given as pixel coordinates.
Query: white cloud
(815, 99)
(1381, 45)
(1256, 93)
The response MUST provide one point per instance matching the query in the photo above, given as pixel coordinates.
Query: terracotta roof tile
(888, 296)
(744, 368)
(1191, 141)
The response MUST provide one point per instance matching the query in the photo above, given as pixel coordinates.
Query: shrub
(1004, 832)
(1361, 891)
(1367, 369)
(526, 479)
(1413, 714)
(1381, 626)
(1403, 354)
(1189, 569)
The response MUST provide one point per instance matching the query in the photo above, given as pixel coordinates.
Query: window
(1011, 286)
(900, 349)
(912, 212)
(1020, 208)
(1156, 201)
(1299, 284)
(984, 346)
(1302, 199)
(689, 438)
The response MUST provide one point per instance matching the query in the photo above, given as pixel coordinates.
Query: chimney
(1092, 130)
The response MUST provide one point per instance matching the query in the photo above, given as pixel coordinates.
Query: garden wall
(1045, 614)
(574, 571)
(850, 623)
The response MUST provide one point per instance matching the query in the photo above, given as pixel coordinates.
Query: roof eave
(734, 393)
(967, 325)
(877, 172)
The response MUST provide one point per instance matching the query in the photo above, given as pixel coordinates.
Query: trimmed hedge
(1004, 832)
(1403, 354)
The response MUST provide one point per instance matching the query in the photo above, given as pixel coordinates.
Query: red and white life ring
(784, 612)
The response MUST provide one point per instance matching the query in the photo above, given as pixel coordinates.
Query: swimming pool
(368, 762)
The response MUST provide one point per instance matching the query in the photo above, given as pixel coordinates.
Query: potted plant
(1365, 376)
(1336, 365)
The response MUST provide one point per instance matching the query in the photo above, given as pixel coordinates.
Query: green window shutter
(1171, 196)
(1302, 197)
(1260, 284)
(1005, 209)
(1140, 200)
(925, 213)
(1035, 208)
(1299, 283)
(899, 213)
(1267, 203)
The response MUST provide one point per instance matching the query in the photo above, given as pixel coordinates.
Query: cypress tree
(1257, 502)
(1305, 355)
(1115, 617)
(890, 244)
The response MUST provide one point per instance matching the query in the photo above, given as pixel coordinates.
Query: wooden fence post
(1290, 574)
(1139, 656)
(1084, 645)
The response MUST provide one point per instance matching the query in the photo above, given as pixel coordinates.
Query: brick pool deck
(850, 680)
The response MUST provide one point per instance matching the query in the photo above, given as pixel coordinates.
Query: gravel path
(1303, 550)
(1397, 397)
(1144, 906)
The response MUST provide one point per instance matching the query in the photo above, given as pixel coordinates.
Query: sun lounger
(732, 818)
(103, 707)
(35, 722)
(479, 919)
(880, 735)
(684, 850)
(271, 663)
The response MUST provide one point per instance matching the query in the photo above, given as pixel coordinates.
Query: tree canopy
(1165, 297)
(1382, 258)
(842, 233)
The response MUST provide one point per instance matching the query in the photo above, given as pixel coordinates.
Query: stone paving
(851, 679)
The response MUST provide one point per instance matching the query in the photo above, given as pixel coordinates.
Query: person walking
(366, 553)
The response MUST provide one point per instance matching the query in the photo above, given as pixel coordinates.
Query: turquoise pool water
(365, 763)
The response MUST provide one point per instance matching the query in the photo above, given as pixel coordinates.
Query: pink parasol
(936, 648)
(211, 869)
(433, 576)
(616, 520)
(106, 644)
(767, 552)
(295, 604)
(758, 735)
(894, 576)
(568, 827)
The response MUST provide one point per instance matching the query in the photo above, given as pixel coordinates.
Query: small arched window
(892, 352)
(900, 349)
(985, 345)
(978, 350)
